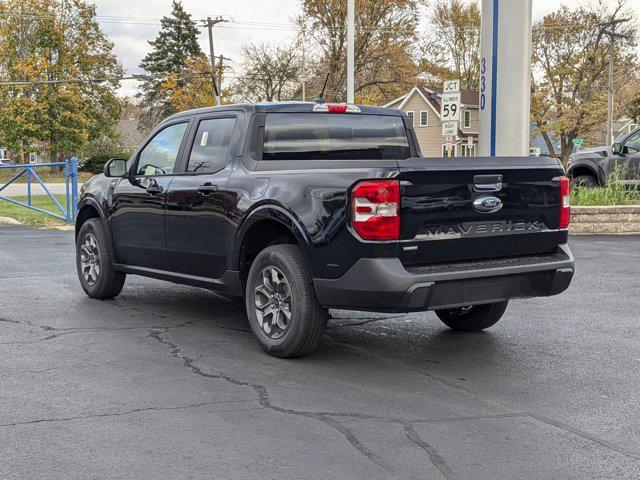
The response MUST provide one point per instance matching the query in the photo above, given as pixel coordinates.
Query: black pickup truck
(302, 207)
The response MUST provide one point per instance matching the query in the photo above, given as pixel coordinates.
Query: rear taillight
(565, 202)
(375, 209)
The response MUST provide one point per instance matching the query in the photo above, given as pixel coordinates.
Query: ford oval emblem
(487, 204)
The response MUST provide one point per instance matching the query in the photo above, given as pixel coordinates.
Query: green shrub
(95, 163)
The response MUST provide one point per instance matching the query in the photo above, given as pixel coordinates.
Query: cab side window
(211, 145)
(632, 144)
(160, 155)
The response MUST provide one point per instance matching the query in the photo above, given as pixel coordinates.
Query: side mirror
(116, 167)
(617, 148)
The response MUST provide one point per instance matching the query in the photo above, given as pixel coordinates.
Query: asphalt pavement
(167, 381)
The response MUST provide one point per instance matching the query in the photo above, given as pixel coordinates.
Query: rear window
(331, 136)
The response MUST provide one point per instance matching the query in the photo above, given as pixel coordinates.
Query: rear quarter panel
(315, 198)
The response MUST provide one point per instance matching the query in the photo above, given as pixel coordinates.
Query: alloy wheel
(272, 299)
(90, 259)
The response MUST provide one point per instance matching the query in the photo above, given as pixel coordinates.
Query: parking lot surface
(167, 382)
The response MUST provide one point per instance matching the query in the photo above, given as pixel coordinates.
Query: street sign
(449, 129)
(450, 108)
(451, 86)
(577, 142)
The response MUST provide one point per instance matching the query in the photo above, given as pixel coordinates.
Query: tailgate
(460, 209)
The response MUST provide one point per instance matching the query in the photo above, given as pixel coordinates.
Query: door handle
(154, 190)
(207, 188)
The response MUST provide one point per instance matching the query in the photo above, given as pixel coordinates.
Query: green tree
(175, 46)
(50, 40)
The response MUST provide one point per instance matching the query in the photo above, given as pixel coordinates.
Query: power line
(100, 80)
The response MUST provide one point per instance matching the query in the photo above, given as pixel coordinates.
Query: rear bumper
(384, 284)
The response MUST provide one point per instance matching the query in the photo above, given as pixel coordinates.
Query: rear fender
(274, 213)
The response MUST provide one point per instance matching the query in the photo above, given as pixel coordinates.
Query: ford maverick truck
(303, 207)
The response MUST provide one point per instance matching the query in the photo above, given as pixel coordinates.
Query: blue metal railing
(70, 209)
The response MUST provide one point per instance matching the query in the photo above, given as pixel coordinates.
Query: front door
(198, 202)
(138, 205)
(630, 159)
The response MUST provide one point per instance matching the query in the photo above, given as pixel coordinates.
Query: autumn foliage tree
(385, 38)
(570, 63)
(49, 40)
(190, 88)
(270, 73)
(451, 43)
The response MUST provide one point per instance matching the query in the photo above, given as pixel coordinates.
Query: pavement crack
(434, 456)
(119, 414)
(587, 436)
(265, 401)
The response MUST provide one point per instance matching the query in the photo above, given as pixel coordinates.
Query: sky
(251, 21)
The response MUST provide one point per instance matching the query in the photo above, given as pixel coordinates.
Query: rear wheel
(94, 263)
(585, 181)
(283, 311)
(474, 318)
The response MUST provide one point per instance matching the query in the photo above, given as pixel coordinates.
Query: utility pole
(210, 22)
(350, 51)
(612, 52)
(304, 63)
(221, 60)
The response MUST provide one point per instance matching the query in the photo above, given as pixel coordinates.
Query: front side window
(328, 136)
(160, 155)
(211, 145)
(632, 144)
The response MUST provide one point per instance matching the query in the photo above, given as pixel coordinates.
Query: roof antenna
(320, 97)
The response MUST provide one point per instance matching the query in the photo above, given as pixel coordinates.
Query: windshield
(329, 136)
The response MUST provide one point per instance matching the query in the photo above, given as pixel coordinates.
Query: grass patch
(31, 217)
(613, 195)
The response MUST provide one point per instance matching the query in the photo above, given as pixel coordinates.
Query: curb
(9, 221)
(605, 220)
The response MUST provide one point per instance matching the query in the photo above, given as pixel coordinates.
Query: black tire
(585, 181)
(308, 318)
(473, 319)
(109, 282)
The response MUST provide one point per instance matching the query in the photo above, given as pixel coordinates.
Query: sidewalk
(20, 189)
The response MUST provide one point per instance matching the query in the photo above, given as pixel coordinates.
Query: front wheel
(94, 263)
(282, 307)
(585, 181)
(474, 318)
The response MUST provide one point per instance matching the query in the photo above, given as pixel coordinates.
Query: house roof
(432, 96)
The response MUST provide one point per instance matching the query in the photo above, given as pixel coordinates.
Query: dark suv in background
(597, 166)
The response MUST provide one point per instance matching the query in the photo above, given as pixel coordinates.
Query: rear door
(198, 201)
(474, 208)
(138, 207)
